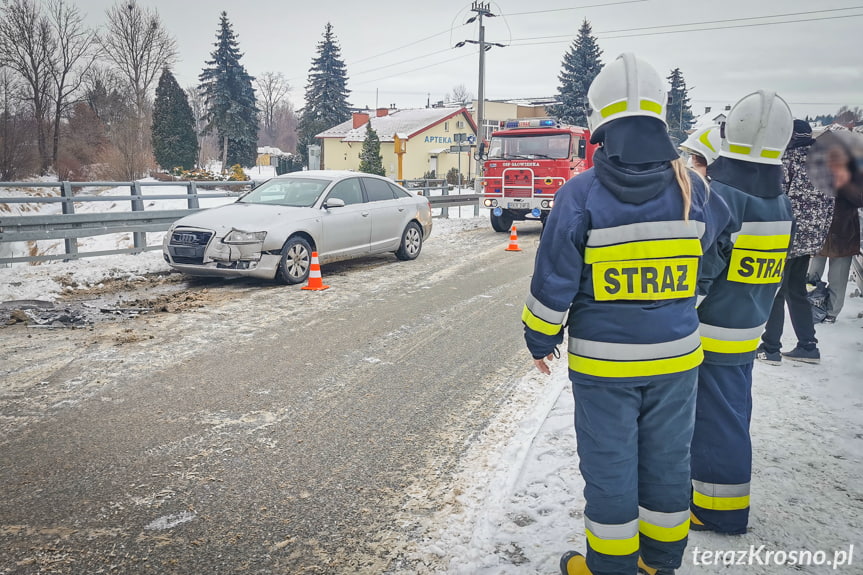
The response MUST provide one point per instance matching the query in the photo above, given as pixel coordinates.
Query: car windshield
(294, 192)
(531, 146)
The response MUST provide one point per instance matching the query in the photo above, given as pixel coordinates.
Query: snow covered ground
(517, 502)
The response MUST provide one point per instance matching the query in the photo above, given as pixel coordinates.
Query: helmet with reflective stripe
(704, 142)
(628, 86)
(757, 129)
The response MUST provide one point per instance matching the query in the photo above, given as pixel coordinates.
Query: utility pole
(482, 10)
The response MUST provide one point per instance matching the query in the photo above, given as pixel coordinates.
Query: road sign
(459, 138)
(471, 139)
(458, 149)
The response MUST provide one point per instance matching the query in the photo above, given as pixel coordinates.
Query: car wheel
(501, 223)
(295, 262)
(412, 242)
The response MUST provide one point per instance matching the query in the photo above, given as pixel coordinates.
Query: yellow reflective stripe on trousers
(645, 368)
(537, 324)
(641, 250)
(730, 340)
(719, 497)
(619, 539)
(665, 527)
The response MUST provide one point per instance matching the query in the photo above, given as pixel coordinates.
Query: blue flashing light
(497, 211)
(511, 124)
(547, 123)
(535, 212)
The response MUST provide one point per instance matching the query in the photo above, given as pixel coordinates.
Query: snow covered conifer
(229, 99)
(678, 113)
(326, 93)
(581, 64)
(175, 143)
(371, 161)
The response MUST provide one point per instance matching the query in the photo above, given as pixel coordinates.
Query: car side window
(378, 190)
(400, 193)
(349, 191)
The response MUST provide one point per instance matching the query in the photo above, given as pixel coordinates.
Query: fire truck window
(558, 146)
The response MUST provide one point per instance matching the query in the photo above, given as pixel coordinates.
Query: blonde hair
(682, 173)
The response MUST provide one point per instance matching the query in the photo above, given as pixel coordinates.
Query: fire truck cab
(525, 163)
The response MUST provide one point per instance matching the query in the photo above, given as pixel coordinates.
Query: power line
(710, 22)
(622, 36)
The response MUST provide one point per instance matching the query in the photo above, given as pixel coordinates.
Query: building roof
(410, 122)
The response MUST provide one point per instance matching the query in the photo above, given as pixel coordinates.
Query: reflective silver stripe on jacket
(674, 229)
(633, 351)
(543, 312)
(731, 333)
(762, 229)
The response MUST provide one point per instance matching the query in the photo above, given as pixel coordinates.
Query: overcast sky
(402, 52)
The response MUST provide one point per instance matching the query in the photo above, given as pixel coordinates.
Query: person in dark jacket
(618, 264)
(748, 176)
(843, 237)
(812, 211)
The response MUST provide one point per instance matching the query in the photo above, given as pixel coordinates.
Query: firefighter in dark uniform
(748, 176)
(617, 264)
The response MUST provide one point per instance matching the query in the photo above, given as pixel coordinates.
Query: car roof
(327, 174)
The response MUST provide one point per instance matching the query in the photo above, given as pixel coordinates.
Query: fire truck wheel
(501, 223)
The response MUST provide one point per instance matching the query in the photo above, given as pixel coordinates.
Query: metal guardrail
(70, 225)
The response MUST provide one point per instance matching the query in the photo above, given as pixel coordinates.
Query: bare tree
(26, 46)
(139, 47)
(76, 48)
(460, 95)
(207, 144)
(14, 147)
(272, 89)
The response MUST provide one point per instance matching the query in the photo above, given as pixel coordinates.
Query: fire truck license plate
(517, 205)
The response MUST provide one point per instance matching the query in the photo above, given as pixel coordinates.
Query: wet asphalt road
(274, 431)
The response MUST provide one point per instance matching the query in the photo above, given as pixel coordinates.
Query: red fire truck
(525, 163)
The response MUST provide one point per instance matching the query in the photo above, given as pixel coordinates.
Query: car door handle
(401, 209)
(365, 214)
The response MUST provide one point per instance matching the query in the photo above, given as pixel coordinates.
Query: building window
(446, 126)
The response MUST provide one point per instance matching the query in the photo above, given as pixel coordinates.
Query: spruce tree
(175, 143)
(678, 113)
(371, 161)
(229, 100)
(581, 64)
(326, 94)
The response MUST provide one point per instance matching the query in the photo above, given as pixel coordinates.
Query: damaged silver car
(271, 231)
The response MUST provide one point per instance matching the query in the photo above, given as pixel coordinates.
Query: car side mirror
(334, 203)
(582, 148)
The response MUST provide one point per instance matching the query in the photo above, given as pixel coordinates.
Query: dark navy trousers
(721, 447)
(634, 450)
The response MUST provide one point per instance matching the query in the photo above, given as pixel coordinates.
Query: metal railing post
(192, 190)
(139, 239)
(68, 207)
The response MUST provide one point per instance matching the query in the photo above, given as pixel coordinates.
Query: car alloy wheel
(296, 261)
(412, 242)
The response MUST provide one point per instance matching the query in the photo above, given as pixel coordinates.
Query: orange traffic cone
(513, 242)
(315, 282)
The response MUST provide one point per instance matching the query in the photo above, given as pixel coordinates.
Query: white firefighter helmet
(628, 86)
(704, 142)
(757, 129)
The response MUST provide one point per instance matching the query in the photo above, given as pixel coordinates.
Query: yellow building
(430, 134)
